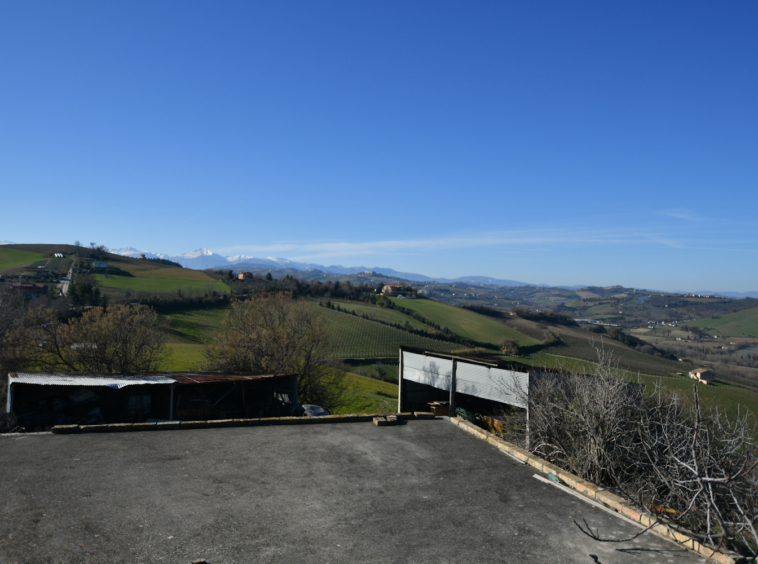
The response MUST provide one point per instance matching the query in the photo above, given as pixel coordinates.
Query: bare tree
(273, 334)
(509, 345)
(122, 339)
(700, 465)
(685, 466)
(14, 344)
(581, 423)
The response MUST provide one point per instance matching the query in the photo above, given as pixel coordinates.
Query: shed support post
(451, 411)
(296, 391)
(10, 395)
(528, 391)
(400, 395)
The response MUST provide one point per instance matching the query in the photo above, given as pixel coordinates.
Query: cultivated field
(383, 314)
(159, 285)
(10, 258)
(578, 345)
(465, 323)
(740, 324)
(151, 277)
(355, 337)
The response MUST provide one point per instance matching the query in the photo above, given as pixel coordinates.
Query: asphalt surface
(424, 491)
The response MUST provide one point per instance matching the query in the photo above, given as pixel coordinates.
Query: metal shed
(42, 400)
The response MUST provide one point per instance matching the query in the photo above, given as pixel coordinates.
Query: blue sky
(550, 142)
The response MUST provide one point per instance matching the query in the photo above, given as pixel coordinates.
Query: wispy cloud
(681, 213)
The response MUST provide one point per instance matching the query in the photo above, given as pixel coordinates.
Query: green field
(382, 314)
(741, 324)
(366, 395)
(466, 323)
(355, 337)
(390, 369)
(159, 285)
(152, 277)
(10, 258)
(577, 344)
(183, 357)
(196, 326)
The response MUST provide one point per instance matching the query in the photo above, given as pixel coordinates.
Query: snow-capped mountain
(200, 259)
(135, 253)
(7, 243)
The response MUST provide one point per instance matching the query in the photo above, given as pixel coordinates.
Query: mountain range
(201, 259)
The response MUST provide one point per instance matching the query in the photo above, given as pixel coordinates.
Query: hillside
(125, 274)
(147, 276)
(579, 343)
(739, 324)
(355, 337)
(11, 258)
(383, 314)
(465, 323)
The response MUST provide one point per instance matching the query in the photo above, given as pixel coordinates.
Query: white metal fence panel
(435, 372)
(504, 386)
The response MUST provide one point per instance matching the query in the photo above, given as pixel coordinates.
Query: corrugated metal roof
(115, 382)
(220, 378)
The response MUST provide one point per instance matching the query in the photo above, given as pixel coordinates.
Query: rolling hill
(465, 323)
(11, 258)
(140, 275)
(739, 324)
(147, 276)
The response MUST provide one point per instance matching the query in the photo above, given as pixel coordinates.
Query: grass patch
(390, 370)
(740, 324)
(183, 357)
(147, 269)
(367, 395)
(196, 326)
(10, 258)
(160, 285)
(466, 323)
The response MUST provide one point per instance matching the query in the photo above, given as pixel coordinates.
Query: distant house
(245, 276)
(703, 375)
(100, 264)
(393, 290)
